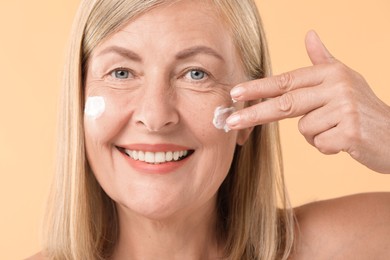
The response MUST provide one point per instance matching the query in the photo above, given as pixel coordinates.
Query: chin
(153, 206)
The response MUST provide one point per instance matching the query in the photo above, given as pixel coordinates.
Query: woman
(144, 174)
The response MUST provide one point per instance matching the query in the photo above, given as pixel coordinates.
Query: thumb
(316, 50)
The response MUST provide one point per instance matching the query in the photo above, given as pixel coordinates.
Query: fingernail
(233, 120)
(236, 92)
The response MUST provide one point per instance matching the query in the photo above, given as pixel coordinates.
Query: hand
(339, 110)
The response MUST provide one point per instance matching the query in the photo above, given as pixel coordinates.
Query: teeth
(149, 157)
(134, 155)
(141, 155)
(159, 157)
(169, 156)
(156, 158)
(176, 156)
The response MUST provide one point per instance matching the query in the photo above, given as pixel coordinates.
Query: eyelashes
(196, 75)
(193, 74)
(121, 73)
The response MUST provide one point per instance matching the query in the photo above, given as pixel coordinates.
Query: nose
(155, 110)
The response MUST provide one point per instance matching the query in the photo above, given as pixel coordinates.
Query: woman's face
(154, 149)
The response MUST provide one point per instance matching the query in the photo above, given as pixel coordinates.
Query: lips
(159, 158)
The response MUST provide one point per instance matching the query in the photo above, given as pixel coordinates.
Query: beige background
(32, 43)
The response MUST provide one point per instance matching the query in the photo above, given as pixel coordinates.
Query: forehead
(184, 12)
(177, 23)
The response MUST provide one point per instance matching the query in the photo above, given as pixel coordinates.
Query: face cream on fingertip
(94, 107)
(221, 113)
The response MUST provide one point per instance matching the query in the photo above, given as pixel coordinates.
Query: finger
(330, 141)
(291, 104)
(278, 85)
(344, 137)
(316, 50)
(300, 78)
(318, 121)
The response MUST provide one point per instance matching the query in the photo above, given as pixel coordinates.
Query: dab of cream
(94, 107)
(220, 115)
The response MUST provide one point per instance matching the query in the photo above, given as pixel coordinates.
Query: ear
(243, 135)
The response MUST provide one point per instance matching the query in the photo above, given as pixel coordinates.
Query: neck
(189, 235)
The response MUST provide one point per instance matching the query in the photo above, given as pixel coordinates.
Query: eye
(196, 74)
(121, 73)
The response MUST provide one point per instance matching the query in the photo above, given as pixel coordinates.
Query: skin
(352, 227)
(339, 110)
(164, 216)
(171, 217)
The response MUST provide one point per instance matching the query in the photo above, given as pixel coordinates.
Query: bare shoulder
(353, 227)
(38, 256)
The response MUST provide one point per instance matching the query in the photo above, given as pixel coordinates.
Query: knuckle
(286, 103)
(345, 90)
(355, 154)
(352, 134)
(318, 144)
(322, 146)
(345, 77)
(285, 81)
(303, 126)
(349, 108)
(346, 83)
(339, 69)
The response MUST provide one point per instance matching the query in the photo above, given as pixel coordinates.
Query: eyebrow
(193, 51)
(122, 52)
(184, 54)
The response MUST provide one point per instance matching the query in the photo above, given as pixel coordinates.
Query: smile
(156, 157)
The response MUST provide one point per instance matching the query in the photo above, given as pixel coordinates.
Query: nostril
(156, 124)
(154, 127)
(155, 113)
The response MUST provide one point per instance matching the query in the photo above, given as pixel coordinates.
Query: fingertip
(316, 49)
(233, 120)
(311, 39)
(236, 92)
(312, 34)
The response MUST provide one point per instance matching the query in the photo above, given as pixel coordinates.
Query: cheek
(197, 113)
(102, 126)
(215, 146)
(104, 117)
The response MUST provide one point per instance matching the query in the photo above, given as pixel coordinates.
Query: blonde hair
(81, 220)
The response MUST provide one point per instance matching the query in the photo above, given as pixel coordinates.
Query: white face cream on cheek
(94, 107)
(220, 115)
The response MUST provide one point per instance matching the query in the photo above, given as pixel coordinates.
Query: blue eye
(196, 74)
(120, 74)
